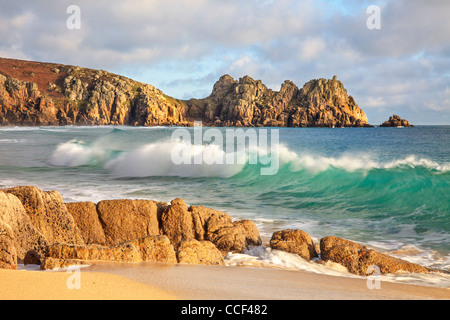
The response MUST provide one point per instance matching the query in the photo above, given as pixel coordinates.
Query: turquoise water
(387, 187)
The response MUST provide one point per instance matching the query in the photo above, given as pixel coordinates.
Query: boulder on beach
(151, 248)
(199, 252)
(181, 223)
(8, 254)
(86, 217)
(125, 220)
(177, 222)
(54, 263)
(359, 259)
(294, 241)
(26, 236)
(48, 214)
(156, 249)
(36, 227)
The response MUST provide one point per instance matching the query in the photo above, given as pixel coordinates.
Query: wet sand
(154, 281)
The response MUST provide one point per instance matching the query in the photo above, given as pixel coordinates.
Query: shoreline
(159, 281)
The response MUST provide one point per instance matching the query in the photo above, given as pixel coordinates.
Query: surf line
(241, 146)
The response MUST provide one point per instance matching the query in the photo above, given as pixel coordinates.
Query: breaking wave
(156, 159)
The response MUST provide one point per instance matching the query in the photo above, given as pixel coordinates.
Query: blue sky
(184, 46)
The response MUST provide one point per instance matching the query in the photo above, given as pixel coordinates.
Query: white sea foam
(75, 153)
(267, 258)
(7, 141)
(352, 162)
(156, 160)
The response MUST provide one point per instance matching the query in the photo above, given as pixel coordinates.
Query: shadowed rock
(8, 253)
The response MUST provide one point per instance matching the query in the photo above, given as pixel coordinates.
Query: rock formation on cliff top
(35, 93)
(248, 103)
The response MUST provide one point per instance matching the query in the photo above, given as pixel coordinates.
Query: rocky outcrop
(48, 214)
(37, 228)
(396, 121)
(155, 248)
(26, 236)
(151, 248)
(86, 217)
(8, 254)
(294, 241)
(249, 103)
(33, 93)
(199, 252)
(181, 223)
(22, 103)
(67, 95)
(359, 259)
(125, 220)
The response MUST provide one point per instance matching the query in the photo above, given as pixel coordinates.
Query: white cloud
(312, 48)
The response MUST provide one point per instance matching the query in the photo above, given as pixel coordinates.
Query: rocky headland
(395, 121)
(41, 94)
(37, 227)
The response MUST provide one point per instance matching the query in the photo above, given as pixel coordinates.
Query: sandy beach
(155, 281)
(42, 285)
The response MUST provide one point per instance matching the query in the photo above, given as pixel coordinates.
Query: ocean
(385, 187)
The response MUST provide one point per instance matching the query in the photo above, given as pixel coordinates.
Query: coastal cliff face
(248, 103)
(34, 93)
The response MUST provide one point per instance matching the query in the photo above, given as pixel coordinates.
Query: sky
(183, 46)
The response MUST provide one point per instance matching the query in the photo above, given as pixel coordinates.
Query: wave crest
(155, 159)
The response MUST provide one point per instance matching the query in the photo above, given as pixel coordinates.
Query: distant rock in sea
(40, 94)
(396, 121)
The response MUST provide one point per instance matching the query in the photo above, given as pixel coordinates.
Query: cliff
(248, 102)
(35, 93)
